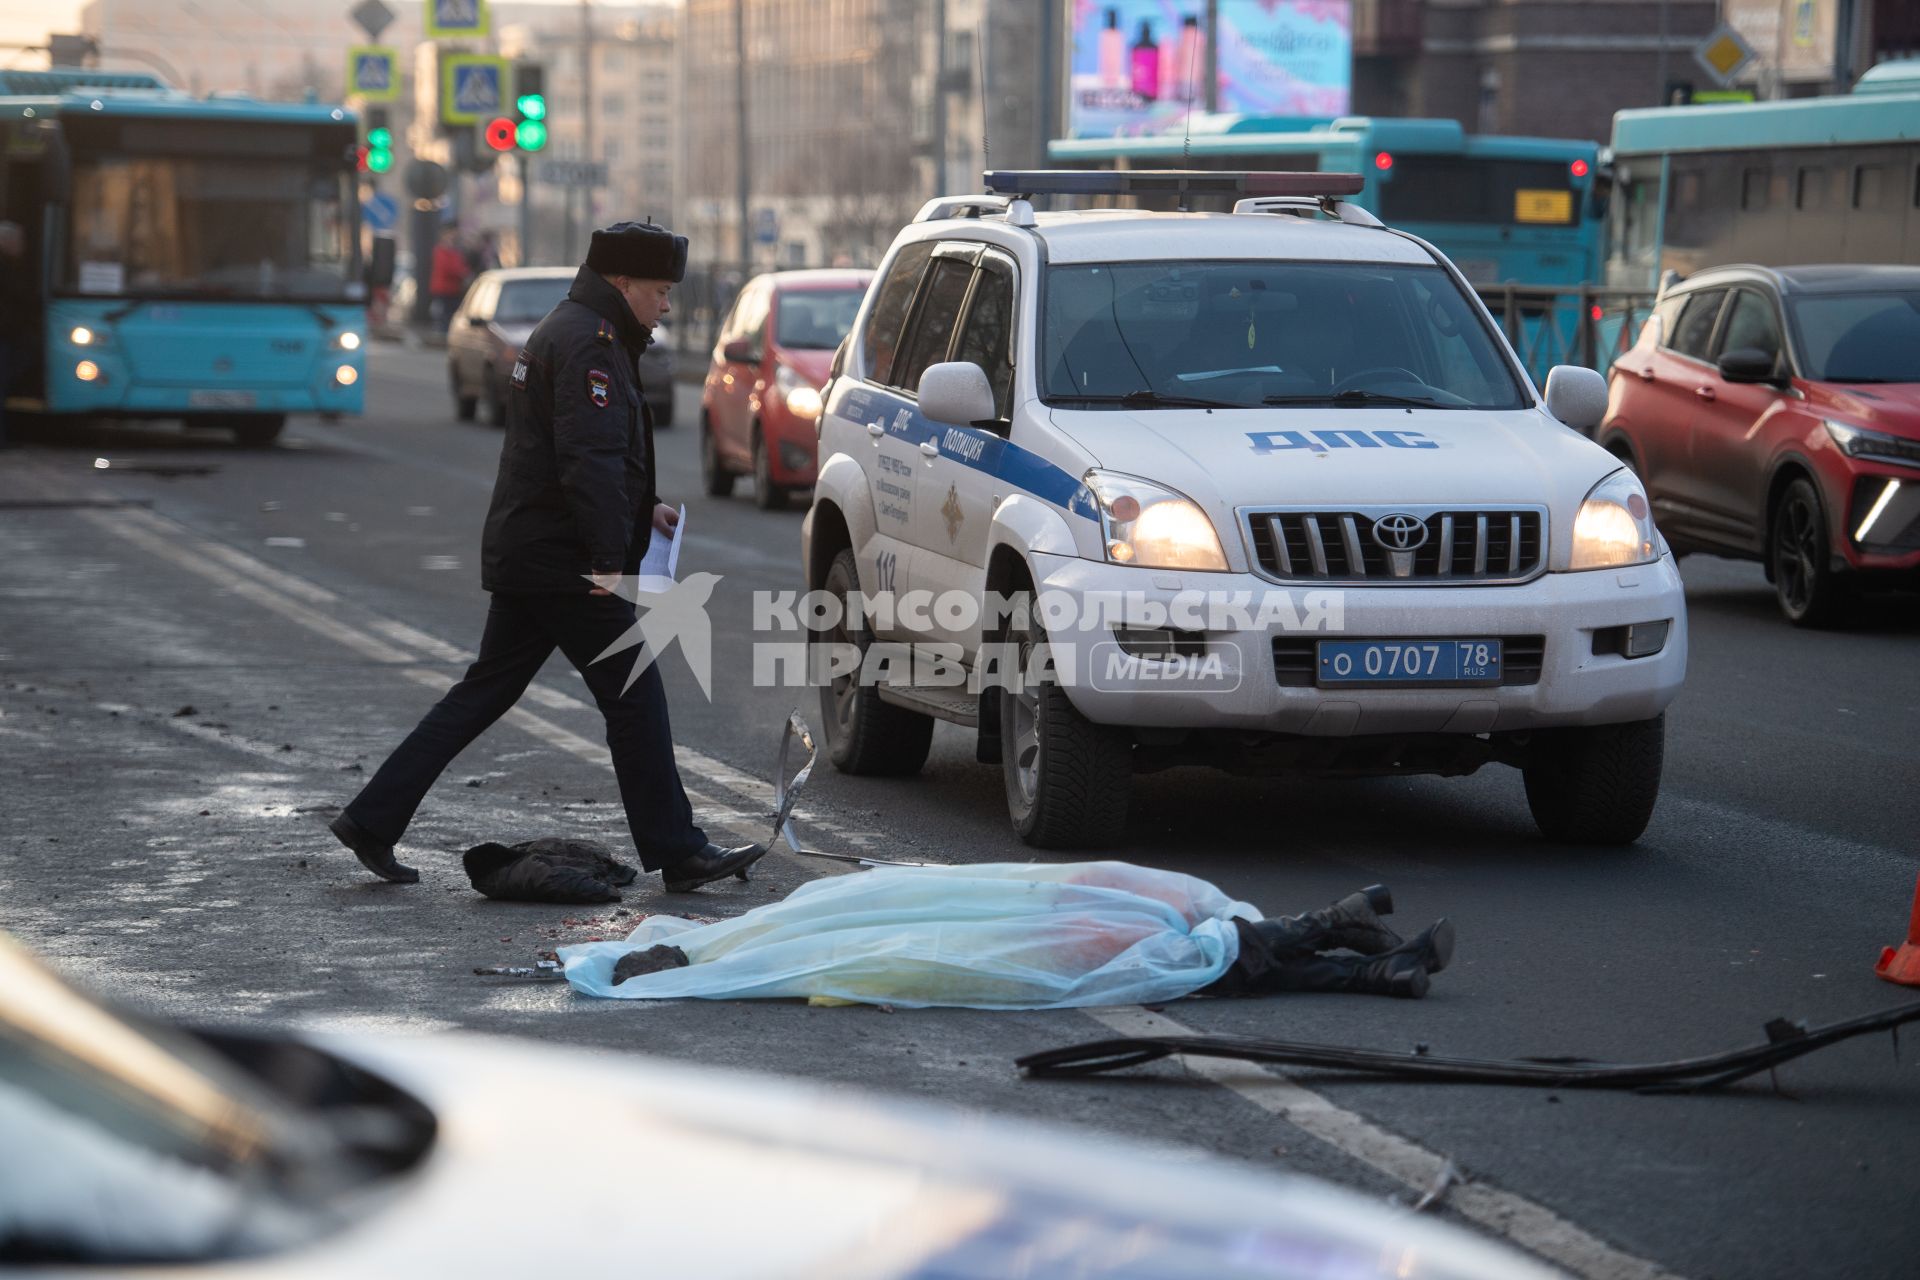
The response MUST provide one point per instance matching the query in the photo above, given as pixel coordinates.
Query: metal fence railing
(1567, 324)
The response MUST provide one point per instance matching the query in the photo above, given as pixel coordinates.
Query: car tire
(1810, 593)
(714, 476)
(865, 736)
(258, 430)
(767, 495)
(1068, 780)
(464, 405)
(1597, 784)
(491, 399)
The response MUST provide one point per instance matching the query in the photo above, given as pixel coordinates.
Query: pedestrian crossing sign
(473, 87)
(373, 73)
(456, 19)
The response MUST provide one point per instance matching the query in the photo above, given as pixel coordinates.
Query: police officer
(573, 509)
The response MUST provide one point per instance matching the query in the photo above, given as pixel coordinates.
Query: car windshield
(1859, 337)
(528, 301)
(1246, 334)
(816, 319)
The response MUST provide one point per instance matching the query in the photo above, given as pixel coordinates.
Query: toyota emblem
(1400, 532)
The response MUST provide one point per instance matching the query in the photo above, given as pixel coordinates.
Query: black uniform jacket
(575, 494)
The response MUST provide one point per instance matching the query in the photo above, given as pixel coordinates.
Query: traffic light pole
(526, 210)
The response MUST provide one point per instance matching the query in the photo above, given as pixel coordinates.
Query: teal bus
(1802, 180)
(194, 258)
(1506, 210)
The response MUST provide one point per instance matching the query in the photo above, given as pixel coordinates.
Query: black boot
(710, 864)
(375, 855)
(1399, 974)
(1433, 945)
(1353, 922)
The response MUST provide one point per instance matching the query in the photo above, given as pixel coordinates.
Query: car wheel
(767, 495)
(258, 430)
(865, 736)
(1596, 784)
(714, 476)
(1067, 779)
(1811, 594)
(492, 400)
(464, 405)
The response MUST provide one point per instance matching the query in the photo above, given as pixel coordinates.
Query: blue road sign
(456, 19)
(766, 225)
(371, 74)
(380, 211)
(473, 87)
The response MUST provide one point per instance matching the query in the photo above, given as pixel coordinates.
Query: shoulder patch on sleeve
(520, 372)
(598, 386)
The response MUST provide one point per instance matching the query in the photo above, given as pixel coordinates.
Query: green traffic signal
(379, 159)
(531, 106)
(530, 135)
(380, 139)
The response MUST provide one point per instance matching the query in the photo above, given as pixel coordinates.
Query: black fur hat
(638, 249)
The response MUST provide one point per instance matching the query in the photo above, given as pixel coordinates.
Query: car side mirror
(1748, 364)
(739, 351)
(956, 393)
(1577, 396)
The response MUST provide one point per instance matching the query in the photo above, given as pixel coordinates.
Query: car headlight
(1615, 525)
(1145, 525)
(86, 336)
(1858, 442)
(802, 397)
(347, 341)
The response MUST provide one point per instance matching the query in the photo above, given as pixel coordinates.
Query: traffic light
(499, 134)
(378, 155)
(530, 105)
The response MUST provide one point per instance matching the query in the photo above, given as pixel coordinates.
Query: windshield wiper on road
(1355, 398)
(1154, 400)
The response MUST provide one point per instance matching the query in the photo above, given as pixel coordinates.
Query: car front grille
(1471, 547)
(1521, 658)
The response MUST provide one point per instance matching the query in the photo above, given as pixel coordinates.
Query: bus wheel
(257, 430)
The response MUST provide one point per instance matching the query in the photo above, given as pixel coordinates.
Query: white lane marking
(437, 649)
(189, 559)
(1531, 1226)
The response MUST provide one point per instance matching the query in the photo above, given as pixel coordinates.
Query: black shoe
(710, 864)
(1352, 923)
(652, 960)
(1433, 945)
(374, 854)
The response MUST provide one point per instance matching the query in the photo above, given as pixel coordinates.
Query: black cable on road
(1785, 1042)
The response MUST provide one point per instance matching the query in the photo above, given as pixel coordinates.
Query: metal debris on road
(786, 795)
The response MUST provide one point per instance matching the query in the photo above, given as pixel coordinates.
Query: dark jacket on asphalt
(576, 489)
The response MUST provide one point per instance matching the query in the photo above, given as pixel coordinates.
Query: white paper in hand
(660, 567)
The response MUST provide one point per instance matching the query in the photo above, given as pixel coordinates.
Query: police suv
(1265, 490)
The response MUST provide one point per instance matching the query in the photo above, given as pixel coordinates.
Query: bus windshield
(1246, 334)
(1859, 337)
(180, 226)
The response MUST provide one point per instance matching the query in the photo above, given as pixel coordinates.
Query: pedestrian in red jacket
(448, 282)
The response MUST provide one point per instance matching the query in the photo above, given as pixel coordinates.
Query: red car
(760, 407)
(1773, 414)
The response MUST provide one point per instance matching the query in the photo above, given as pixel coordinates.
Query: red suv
(760, 407)
(1774, 414)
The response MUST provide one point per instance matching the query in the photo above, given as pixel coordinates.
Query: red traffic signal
(500, 134)
(360, 158)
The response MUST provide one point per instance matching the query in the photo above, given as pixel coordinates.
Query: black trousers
(522, 632)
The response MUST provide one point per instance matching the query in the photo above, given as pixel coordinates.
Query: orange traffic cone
(1902, 963)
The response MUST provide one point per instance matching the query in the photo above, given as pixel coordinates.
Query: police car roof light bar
(1123, 182)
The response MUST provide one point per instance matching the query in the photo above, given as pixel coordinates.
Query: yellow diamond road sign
(1723, 54)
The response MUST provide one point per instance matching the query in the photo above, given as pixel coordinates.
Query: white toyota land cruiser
(1266, 490)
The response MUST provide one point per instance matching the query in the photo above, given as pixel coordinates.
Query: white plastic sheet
(987, 936)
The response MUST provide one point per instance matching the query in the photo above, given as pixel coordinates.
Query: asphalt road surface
(204, 651)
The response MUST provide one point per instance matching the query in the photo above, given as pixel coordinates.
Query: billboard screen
(1137, 64)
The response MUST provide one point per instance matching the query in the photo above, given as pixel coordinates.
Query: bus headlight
(82, 336)
(1147, 526)
(346, 375)
(87, 371)
(348, 341)
(1615, 526)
